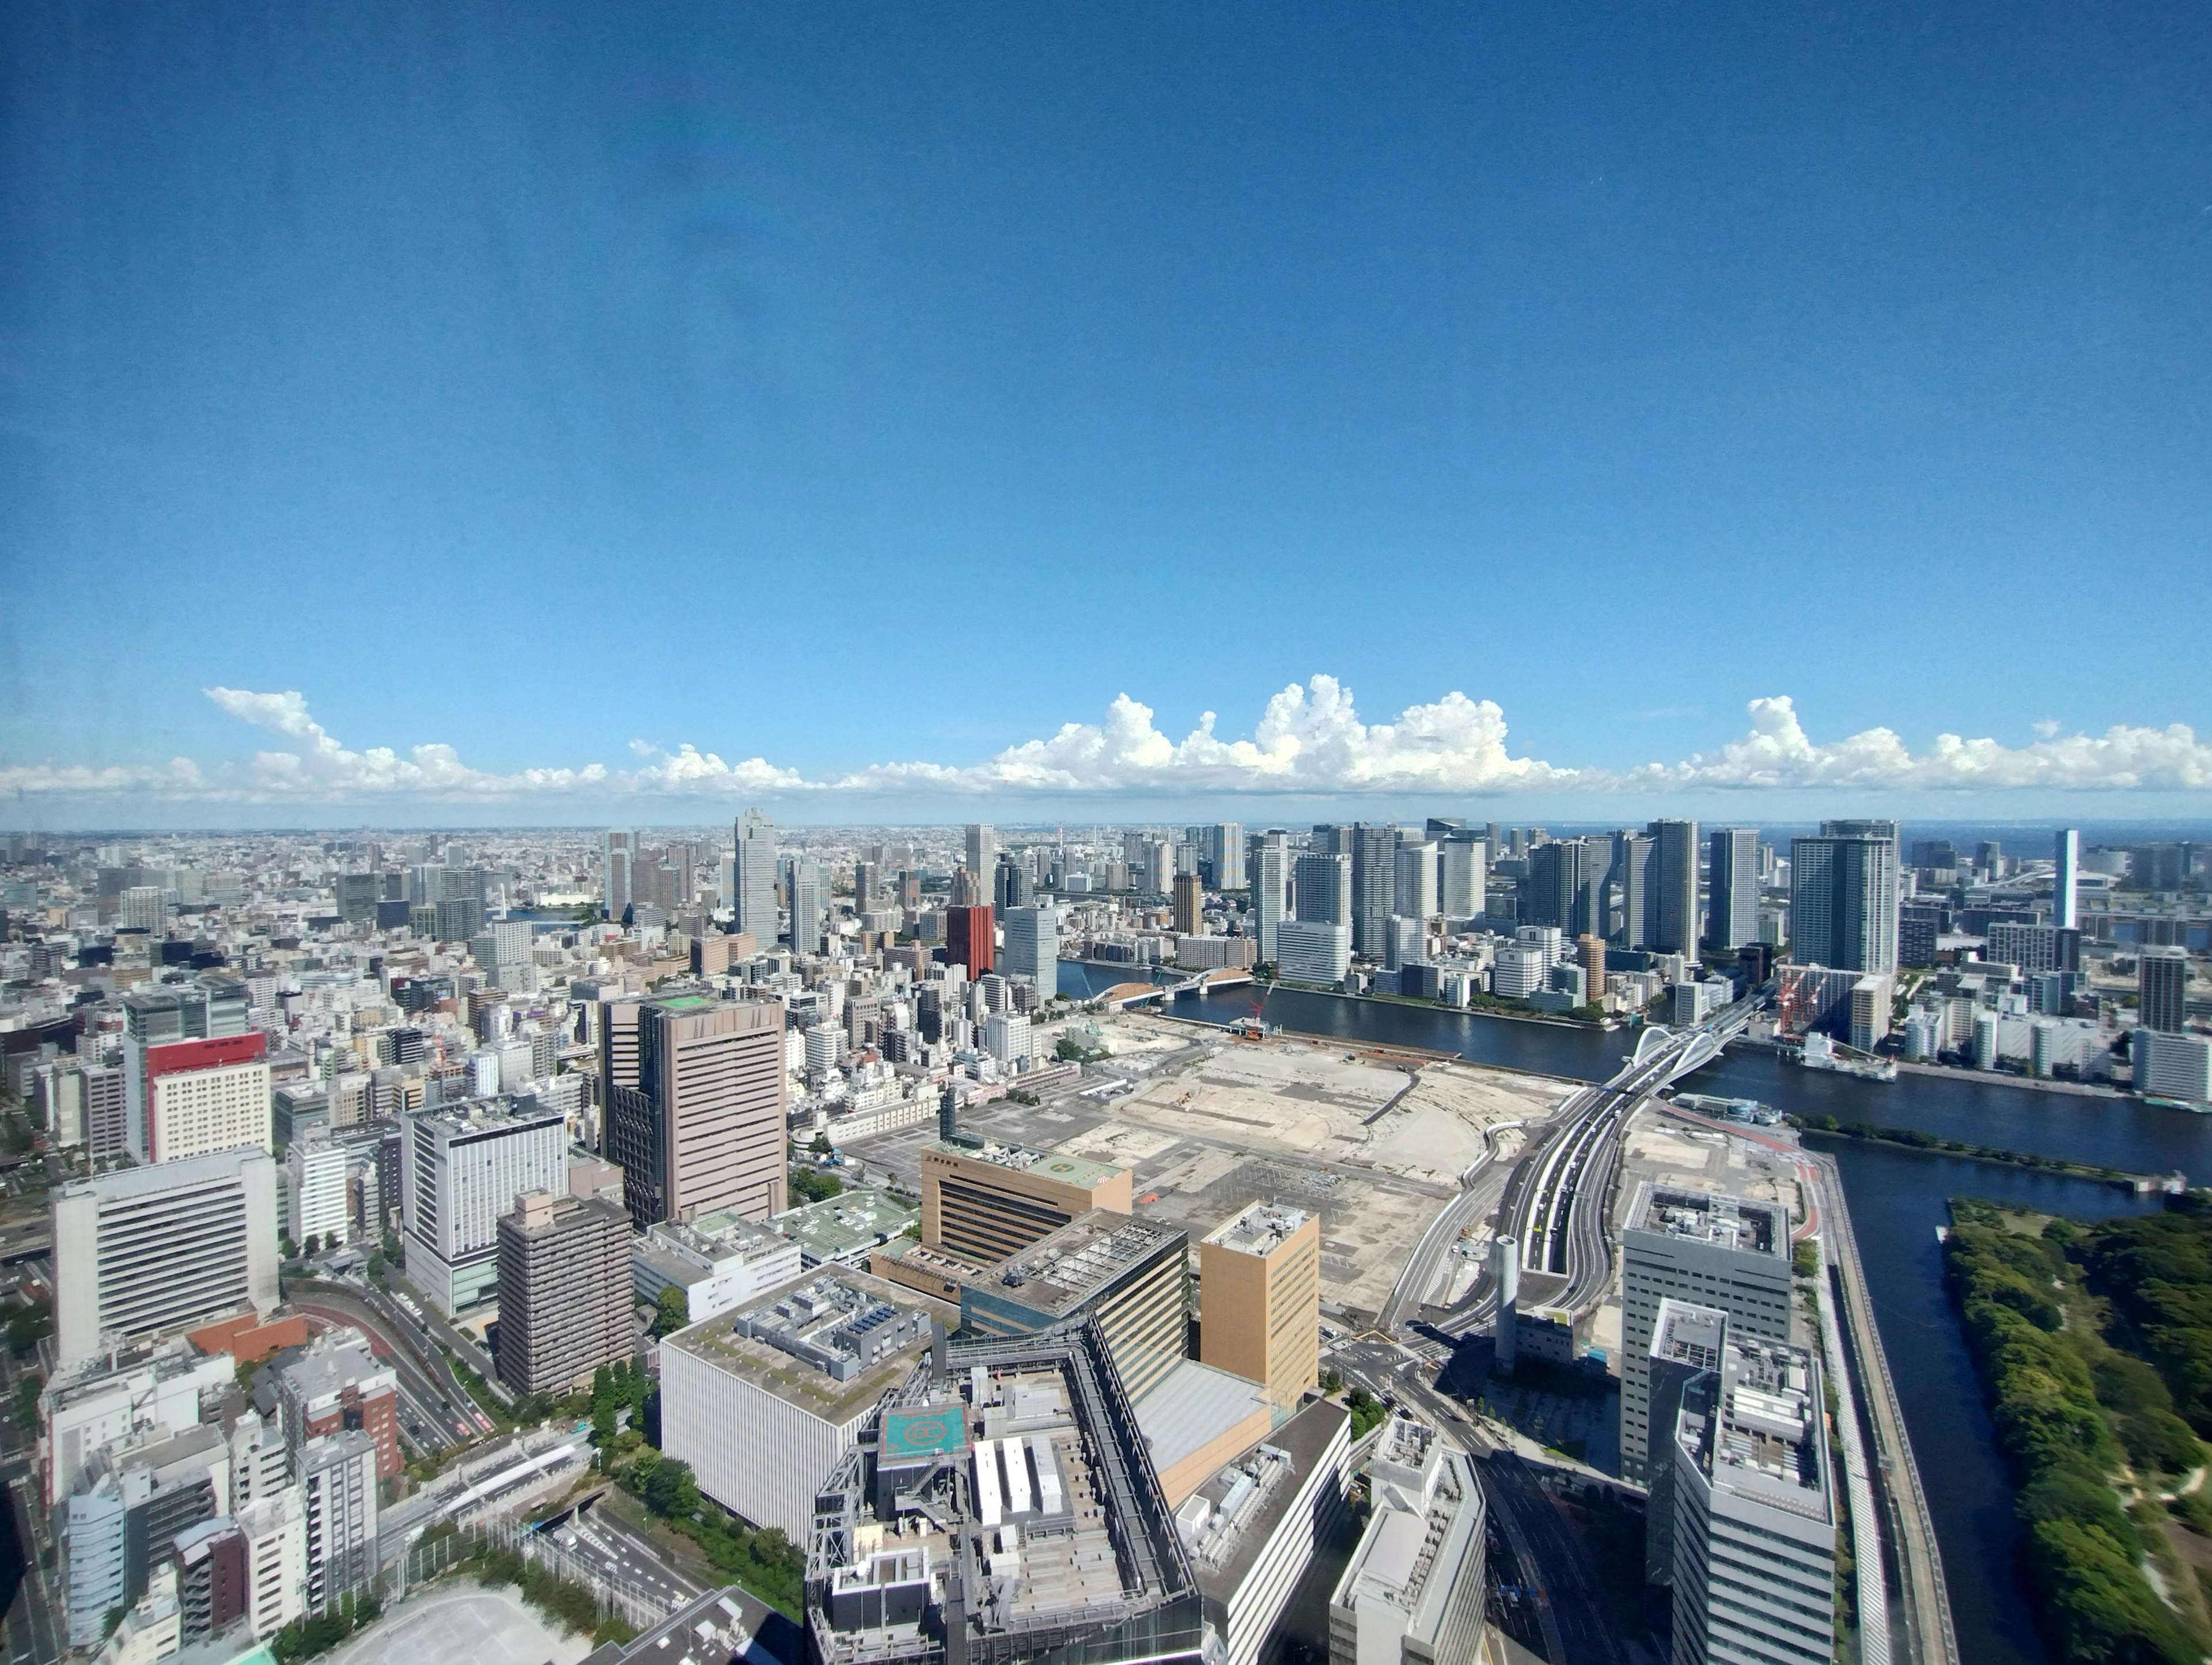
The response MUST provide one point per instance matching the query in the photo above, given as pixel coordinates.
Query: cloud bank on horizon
(1309, 742)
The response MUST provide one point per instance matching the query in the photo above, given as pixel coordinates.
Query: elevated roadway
(1554, 1202)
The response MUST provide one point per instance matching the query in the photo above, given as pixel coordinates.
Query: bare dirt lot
(1210, 1123)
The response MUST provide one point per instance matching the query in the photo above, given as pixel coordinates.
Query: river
(1897, 1200)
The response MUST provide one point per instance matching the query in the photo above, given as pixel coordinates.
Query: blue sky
(843, 388)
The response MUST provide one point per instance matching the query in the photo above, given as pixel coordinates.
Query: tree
(821, 1146)
(671, 1310)
(312, 1243)
(670, 1490)
(603, 1389)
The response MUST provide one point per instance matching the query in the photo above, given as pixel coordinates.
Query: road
(1568, 1609)
(444, 1412)
(1554, 1202)
(607, 1547)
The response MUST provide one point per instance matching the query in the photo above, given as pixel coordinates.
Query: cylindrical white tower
(1505, 1273)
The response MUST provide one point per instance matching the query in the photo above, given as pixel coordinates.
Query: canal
(1897, 1200)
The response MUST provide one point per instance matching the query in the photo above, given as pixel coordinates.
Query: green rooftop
(845, 1224)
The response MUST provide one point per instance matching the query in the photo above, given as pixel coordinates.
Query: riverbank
(2032, 1083)
(1913, 1139)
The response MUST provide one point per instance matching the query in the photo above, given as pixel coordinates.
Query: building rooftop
(1058, 1272)
(1260, 1229)
(1411, 1533)
(846, 1224)
(1028, 1518)
(1766, 1442)
(1046, 1165)
(1227, 1521)
(1193, 1404)
(1711, 1218)
(722, 1628)
(793, 1340)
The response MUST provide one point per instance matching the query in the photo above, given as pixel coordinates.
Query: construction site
(1374, 1140)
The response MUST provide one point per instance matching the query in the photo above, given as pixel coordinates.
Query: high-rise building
(315, 1174)
(1131, 1274)
(1632, 877)
(357, 897)
(203, 1095)
(1844, 897)
(459, 1173)
(808, 903)
(1374, 885)
(1566, 885)
(1462, 876)
(983, 1201)
(617, 859)
(1733, 877)
(144, 908)
(337, 1508)
(1672, 926)
(1267, 873)
(1590, 953)
(149, 1250)
(1033, 947)
(703, 1130)
(1755, 1508)
(1724, 1252)
(762, 1400)
(1225, 851)
(564, 1290)
(2161, 989)
(1686, 1341)
(982, 852)
(1309, 951)
(1321, 889)
(969, 938)
(752, 885)
(1189, 905)
(2067, 846)
(337, 1382)
(1259, 1278)
(208, 1009)
(1415, 895)
(1413, 1587)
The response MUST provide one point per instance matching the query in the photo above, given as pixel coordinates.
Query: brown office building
(968, 938)
(564, 1290)
(983, 1201)
(703, 1130)
(1259, 1295)
(1189, 905)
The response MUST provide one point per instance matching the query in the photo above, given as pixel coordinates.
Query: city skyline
(1311, 749)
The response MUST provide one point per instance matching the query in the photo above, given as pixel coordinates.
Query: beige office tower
(702, 1131)
(983, 1201)
(1259, 1293)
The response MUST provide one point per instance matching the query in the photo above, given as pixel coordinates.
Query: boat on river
(1820, 1052)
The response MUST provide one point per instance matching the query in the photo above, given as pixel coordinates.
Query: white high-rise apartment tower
(1267, 870)
(2068, 852)
(1844, 895)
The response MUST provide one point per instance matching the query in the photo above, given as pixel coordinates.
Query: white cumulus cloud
(1776, 752)
(1310, 741)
